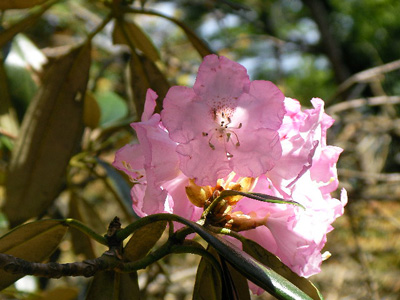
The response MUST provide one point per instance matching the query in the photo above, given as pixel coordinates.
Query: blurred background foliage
(345, 52)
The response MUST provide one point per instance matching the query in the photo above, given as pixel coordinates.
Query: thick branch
(85, 268)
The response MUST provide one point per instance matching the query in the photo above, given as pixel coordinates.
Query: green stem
(86, 230)
(131, 228)
(100, 27)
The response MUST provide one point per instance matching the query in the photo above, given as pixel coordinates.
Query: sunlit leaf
(50, 134)
(34, 241)
(16, 4)
(130, 34)
(91, 111)
(270, 260)
(113, 108)
(143, 240)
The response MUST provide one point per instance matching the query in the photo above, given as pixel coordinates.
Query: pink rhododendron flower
(229, 133)
(153, 167)
(307, 174)
(224, 123)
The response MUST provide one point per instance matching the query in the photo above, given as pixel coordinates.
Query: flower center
(224, 129)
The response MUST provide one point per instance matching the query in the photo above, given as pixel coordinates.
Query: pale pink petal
(199, 161)
(219, 76)
(149, 105)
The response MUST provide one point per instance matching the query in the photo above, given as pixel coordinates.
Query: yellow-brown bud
(198, 195)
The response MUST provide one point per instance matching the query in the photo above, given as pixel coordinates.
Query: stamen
(211, 145)
(228, 136)
(205, 133)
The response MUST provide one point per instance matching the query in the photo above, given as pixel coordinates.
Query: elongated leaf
(145, 74)
(262, 197)
(109, 285)
(61, 293)
(91, 112)
(208, 285)
(122, 188)
(24, 24)
(270, 260)
(253, 270)
(17, 4)
(50, 134)
(81, 243)
(33, 242)
(8, 117)
(130, 34)
(143, 240)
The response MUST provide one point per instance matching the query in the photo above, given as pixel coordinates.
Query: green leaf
(34, 242)
(17, 4)
(81, 243)
(50, 134)
(201, 47)
(208, 285)
(8, 117)
(130, 34)
(25, 23)
(109, 285)
(145, 74)
(261, 197)
(270, 260)
(91, 111)
(61, 293)
(121, 187)
(143, 240)
(113, 108)
(259, 274)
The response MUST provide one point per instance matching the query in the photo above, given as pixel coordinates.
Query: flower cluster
(228, 132)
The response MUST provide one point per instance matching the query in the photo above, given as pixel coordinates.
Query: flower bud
(198, 195)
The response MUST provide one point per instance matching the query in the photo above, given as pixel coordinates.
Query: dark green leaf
(262, 197)
(270, 260)
(50, 134)
(34, 242)
(143, 240)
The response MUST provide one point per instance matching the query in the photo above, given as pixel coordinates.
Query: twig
(368, 75)
(387, 177)
(356, 103)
